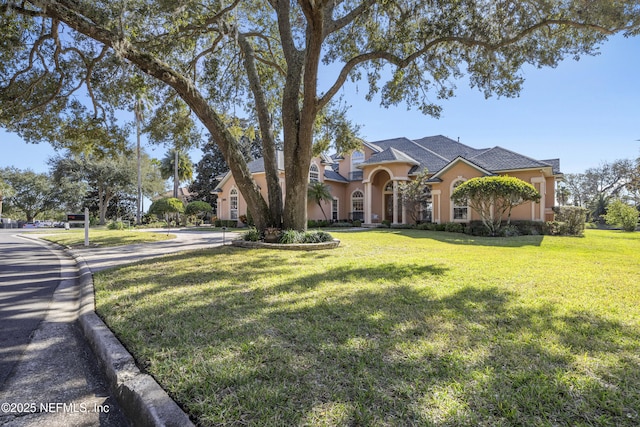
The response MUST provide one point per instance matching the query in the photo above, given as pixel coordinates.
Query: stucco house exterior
(365, 184)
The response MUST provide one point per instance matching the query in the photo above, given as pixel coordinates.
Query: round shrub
(251, 235)
(116, 225)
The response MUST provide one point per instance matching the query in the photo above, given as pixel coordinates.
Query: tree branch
(402, 62)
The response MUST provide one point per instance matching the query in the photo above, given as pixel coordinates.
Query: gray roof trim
(371, 145)
(461, 159)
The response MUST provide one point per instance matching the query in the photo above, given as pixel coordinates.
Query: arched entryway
(388, 197)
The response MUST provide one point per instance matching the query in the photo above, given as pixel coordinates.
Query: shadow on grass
(464, 239)
(295, 353)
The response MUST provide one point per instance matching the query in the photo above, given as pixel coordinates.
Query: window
(357, 157)
(334, 210)
(233, 203)
(427, 206)
(314, 173)
(357, 205)
(460, 211)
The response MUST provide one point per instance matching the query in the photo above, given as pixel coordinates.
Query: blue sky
(583, 112)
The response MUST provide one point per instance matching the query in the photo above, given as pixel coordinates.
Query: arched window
(233, 203)
(357, 205)
(314, 173)
(460, 211)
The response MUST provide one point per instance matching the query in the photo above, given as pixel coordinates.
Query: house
(365, 184)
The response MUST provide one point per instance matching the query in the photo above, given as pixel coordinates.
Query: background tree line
(597, 187)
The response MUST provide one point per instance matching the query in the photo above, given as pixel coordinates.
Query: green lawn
(101, 237)
(393, 328)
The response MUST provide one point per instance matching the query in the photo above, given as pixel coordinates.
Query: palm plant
(176, 160)
(319, 192)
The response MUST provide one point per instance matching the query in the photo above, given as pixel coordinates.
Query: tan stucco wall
(378, 175)
(525, 211)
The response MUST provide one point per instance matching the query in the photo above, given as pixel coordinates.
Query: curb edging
(141, 398)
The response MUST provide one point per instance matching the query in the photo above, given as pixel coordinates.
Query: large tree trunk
(299, 116)
(269, 153)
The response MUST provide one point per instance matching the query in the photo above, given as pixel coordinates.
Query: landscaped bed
(393, 327)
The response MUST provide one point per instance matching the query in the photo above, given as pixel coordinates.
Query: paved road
(186, 239)
(47, 374)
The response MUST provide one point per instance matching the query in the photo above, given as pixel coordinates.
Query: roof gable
(425, 157)
(459, 159)
(389, 155)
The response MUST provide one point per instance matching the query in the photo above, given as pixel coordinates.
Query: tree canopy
(166, 205)
(106, 177)
(494, 196)
(415, 195)
(281, 62)
(29, 192)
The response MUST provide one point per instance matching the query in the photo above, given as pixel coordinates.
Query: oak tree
(281, 61)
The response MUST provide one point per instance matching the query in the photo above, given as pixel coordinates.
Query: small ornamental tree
(198, 209)
(415, 194)
(622, 215)
(494, 196)
(166, 205)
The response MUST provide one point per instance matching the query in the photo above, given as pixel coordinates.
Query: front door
(388, 209)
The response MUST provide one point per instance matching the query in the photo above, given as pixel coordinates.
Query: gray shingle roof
(426, 158)
(447, 147)
(500, 159)
(436, 152)
(390, 155)
(257, 165)
(334, 176)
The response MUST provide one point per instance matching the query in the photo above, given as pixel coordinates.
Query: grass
(395, 327)
(75, 237)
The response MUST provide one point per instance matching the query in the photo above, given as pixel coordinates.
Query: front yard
(392, 328)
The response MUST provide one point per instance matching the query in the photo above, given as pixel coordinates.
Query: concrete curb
(141, 398)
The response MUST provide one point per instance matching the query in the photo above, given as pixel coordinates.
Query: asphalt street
(48, 376)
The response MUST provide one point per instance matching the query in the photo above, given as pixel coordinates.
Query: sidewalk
(138, 395)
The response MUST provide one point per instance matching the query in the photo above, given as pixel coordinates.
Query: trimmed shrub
(386, 223)
(116, 225)
(509, 231)
(454, 227)
(357, 223)
(251, 235)
(343, 224)
(297, 237)
(620, 214)
(226, 223)
(572, 218)
(291, 236)
(402, 226)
